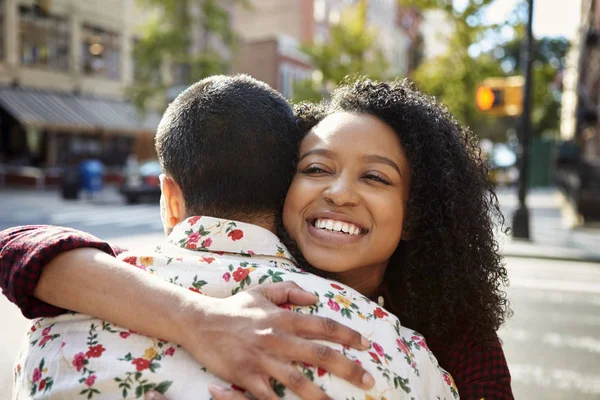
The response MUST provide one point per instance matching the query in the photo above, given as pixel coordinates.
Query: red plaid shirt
(478, 367)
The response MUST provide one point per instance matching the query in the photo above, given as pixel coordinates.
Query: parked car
(503, 165)
(141, 182)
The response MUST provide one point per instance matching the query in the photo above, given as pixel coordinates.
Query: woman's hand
(246, 339)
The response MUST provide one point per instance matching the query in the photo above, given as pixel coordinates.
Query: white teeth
(337, 226)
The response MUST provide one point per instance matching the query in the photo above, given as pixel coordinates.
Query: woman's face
(345, 207)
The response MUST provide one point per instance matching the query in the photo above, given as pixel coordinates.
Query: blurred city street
(552, 342)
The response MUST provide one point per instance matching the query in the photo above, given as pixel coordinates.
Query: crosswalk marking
(556, 378)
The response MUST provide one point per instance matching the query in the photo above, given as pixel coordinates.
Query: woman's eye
(377, 178)
(313, 170)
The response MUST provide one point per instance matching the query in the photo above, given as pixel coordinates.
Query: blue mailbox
(91, 172)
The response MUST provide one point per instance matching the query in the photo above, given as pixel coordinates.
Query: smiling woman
(392, 197)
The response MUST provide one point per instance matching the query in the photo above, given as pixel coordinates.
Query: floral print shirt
(77, 356)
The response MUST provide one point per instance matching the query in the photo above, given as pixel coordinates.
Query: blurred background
(83, 84)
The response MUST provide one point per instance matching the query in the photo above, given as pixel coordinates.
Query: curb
(552, 257)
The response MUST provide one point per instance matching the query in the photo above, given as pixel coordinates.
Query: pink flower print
(226, 276)
(286, 306)
(170, 351)
(191, 245)
(236, 234)
(79, 361)
(46, 331)
(42, 385)
(378, 349)
(124, 335)
(333, 305)
(447, 380)
(131, 260)
(90, 380)
(207, 259)
(33, 328)
(37, 375)
(207, 242)
(44, 340)
(251, 253)
(420, 340)
(402, 346)
(194, 237)
(375, 357)
(336, 286)
(63, 344)
(321, 371)
(193, 220)
(358, 362)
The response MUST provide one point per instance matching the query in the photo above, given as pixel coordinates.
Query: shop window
(100, 52)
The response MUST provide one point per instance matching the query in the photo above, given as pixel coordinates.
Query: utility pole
(521, 217)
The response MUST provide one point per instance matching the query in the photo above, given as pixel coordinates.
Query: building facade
(64, 65)
(578, 164)
(286, 25)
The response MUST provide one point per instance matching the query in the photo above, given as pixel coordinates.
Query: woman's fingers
(330, 360)
(287, 292)
(293, 379)
(322, 328)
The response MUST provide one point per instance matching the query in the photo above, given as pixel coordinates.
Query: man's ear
(172, 202)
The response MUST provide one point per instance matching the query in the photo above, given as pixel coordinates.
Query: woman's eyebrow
(376, 159)
(319, 152)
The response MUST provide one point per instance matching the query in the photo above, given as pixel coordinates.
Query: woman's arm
(25, 250)
(480, 369)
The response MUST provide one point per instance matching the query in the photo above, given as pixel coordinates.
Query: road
(552, 342)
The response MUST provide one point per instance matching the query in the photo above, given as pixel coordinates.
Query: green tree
(351, 51)
(172, 37)
(453, 76)
(548, 59)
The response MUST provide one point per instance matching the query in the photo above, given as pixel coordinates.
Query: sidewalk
(554, 233)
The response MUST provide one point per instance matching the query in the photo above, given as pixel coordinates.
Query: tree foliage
(350, 51)
(453, 77)
(181, 33)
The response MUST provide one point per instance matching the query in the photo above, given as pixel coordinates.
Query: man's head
(226, 146)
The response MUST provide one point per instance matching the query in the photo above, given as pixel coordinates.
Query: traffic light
(500, 96)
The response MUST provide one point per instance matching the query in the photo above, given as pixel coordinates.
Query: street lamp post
(521, 217)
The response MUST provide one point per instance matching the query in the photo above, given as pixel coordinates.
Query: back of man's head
(229, 142)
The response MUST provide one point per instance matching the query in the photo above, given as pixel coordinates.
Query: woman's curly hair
(448, 278)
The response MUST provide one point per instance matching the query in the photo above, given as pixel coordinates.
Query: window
(100, 52)
(44, 39)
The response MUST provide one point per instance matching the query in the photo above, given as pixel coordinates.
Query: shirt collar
(221, 235)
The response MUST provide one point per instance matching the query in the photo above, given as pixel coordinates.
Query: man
(226, 145)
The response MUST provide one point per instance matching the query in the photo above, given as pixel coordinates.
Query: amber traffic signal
(500, 96)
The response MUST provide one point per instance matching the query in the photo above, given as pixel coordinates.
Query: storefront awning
(69, 112)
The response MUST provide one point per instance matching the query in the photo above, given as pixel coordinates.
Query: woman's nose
(341, 192)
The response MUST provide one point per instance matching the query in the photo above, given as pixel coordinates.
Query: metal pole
(521, 216)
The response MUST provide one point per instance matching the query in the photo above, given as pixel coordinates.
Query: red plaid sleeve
(25, 250)
(479, 369)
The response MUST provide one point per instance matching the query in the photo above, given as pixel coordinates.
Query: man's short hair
(230, 143)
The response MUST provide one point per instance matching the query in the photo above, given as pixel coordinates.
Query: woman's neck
(365, 280)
